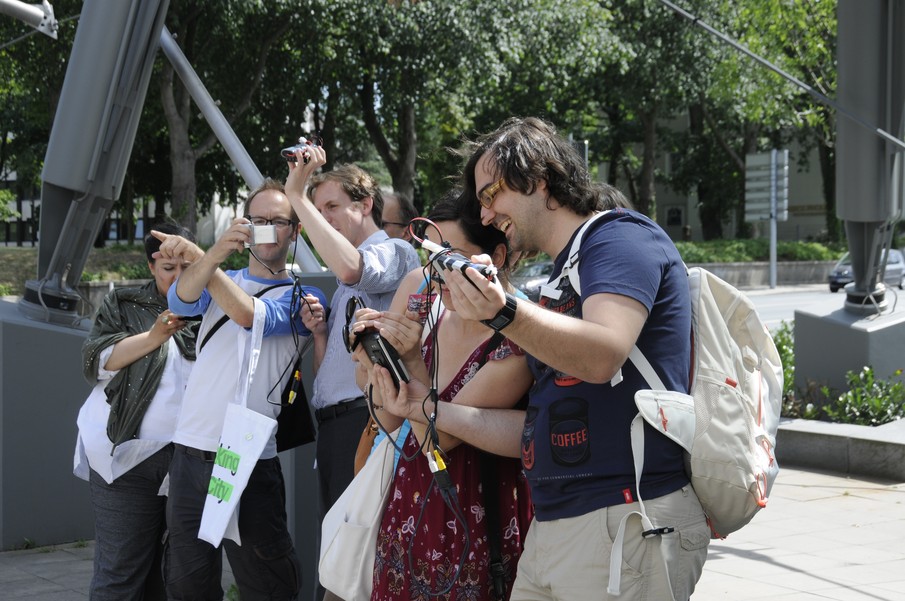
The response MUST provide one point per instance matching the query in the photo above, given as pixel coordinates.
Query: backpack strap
(225, 318)
(549, 289)
(647, 527)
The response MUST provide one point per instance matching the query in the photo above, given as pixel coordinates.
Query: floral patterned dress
(416, 509)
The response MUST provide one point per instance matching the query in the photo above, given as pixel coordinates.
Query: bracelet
(504, 317)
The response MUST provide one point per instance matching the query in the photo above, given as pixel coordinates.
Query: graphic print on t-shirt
(567, 304)
(569, 443)
(528, 439)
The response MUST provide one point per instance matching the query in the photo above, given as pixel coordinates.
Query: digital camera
(443, 258)
(261, 234)
(303, 143)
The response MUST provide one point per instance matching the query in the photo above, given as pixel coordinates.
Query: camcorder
(261, 234)
(303, 143)
(443, 258)
(382, 353)
(379, 351)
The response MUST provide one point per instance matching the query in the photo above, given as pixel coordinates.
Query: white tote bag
(349, 530)
(245, 434)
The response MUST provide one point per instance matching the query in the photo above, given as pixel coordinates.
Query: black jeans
(266, 565)
(129, 523)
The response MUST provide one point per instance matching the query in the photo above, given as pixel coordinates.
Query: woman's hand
(401, 331)
(166, 324)
(404, 402)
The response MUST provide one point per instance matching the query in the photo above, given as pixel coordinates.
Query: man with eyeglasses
(575, 437)
(342, 213)
(265, 565)
(398, 212)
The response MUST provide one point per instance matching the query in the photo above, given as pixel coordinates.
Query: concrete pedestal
(828, 345)
(41, 390)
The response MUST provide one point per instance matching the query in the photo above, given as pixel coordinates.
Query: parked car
(529, 277)
(892, 276)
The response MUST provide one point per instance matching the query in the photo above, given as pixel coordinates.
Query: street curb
(876, 452)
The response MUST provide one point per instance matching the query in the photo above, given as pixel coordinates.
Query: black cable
(444, 485)
(295, 304)
(436, 458)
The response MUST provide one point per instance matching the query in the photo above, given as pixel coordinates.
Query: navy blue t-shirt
(576, 447)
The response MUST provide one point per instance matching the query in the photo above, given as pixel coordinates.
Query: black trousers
(266, 565)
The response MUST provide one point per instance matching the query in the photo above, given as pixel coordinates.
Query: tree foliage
(392, 84)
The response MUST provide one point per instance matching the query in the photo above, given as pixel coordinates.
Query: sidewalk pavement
(822, 536)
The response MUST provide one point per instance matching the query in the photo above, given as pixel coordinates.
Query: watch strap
(504, 317)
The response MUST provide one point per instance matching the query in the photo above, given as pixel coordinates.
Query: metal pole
(773, 181)
(39, 16)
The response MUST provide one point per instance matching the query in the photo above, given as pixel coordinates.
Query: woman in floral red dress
(427, 548)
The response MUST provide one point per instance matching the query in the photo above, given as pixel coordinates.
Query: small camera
(303, 143)
(382, 353)
(261, 234)
(443, 258)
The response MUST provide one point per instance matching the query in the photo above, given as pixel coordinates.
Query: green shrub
(236, 261)
(133, 271)
(784, 338)
(793, 404)
(740, 251)
(869, 401)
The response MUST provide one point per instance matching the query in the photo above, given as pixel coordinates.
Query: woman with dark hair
(426, 546)
(138, 356)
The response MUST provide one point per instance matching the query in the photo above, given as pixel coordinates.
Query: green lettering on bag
(228, 459)
(220, 489)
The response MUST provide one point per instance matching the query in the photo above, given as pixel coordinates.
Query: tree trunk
(708, 200)
(127, 218)
(401, 162)
(182, 203)
(404, 177)
(827, 156)
(647, 196)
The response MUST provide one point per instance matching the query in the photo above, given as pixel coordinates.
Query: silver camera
(302, 144)
(261, 234)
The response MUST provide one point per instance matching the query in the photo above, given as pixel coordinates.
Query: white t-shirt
(215, 379)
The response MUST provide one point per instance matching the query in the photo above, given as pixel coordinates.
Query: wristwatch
(504, 317)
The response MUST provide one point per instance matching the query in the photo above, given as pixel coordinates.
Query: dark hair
(268, 184)
(456, 205)
(357, 183)
(407, 210)
(152, 244)
(525, 152)
(612, 197)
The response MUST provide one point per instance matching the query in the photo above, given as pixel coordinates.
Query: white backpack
(727, 423)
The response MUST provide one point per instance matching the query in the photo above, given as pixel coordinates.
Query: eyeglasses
(279, 222)
(351, 305)
(488, 194)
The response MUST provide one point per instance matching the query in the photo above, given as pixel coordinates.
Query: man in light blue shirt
(343, 220)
